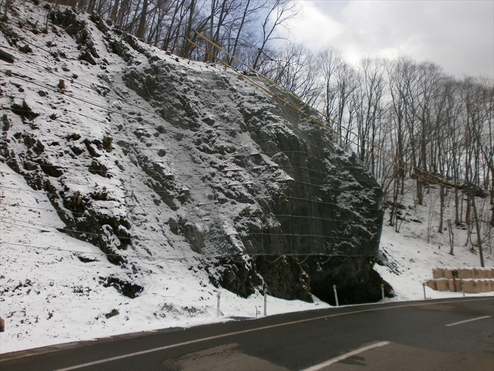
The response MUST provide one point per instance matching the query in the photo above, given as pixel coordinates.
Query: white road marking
(468, 320)
(346, 355)
(147, 351)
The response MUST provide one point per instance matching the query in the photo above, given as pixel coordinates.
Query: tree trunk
(186, 47)
(492, 204)
(420, 191)
(209, 46)
(239, 32)
(169, 33)
(441, 207)
(468, 211)
(90, 6)
(451, 237)
(7, 6)
(479, 236)
(141, 30)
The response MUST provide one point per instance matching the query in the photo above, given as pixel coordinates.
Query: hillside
(144, 154)
(138, 186)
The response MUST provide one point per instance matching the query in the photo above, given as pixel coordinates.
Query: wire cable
(421, 173)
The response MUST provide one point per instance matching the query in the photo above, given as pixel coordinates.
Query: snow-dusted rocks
(278, 177)
(145, 154)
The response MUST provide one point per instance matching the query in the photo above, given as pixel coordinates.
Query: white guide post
(218, 311)
(336, 296)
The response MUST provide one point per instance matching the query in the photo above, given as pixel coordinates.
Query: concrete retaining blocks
(469, 280)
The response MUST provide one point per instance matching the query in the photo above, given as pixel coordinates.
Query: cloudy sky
(458, 35)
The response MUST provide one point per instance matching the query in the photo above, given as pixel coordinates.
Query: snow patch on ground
(52, 291)
(53, 288)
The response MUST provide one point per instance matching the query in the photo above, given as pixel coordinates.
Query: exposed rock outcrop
(188, 158)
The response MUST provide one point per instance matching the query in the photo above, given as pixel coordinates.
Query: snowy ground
(411, 258)
(49, 296)
(51, 285)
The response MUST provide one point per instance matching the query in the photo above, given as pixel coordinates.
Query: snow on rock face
(144, 153)
(288, 188)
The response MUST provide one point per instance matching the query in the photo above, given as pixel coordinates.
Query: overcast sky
(458, 35)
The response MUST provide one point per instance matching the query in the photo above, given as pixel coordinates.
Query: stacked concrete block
(442, 284)
(454, 285)
(469, 280)
(432, 284)
(482, 285)
(489, 285)
(478, 273)
(465, 273)
(438, 273)
(471, 286)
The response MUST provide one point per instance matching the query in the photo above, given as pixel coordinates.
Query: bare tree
(330, 61)
(347, 102)
(245, 17)
(6, 8)
(399, 77)
(294, 68)
(372, 108)
(278, 13)
(141, 29)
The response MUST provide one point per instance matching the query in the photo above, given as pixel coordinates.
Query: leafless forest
(406, 120)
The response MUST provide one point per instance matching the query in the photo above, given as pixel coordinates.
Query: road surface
(453, 334)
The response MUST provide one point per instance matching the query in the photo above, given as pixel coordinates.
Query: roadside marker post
(265, 303)
(336, 296)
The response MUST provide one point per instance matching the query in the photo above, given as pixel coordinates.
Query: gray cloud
(456, 35)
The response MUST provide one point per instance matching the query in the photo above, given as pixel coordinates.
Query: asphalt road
(456, 334)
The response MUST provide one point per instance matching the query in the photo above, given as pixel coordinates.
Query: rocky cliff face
(298, 192)
(141, 151)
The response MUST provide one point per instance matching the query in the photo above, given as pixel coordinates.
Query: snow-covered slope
(91, 149)
(150, 156)
(52, 292)
(419, 246)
